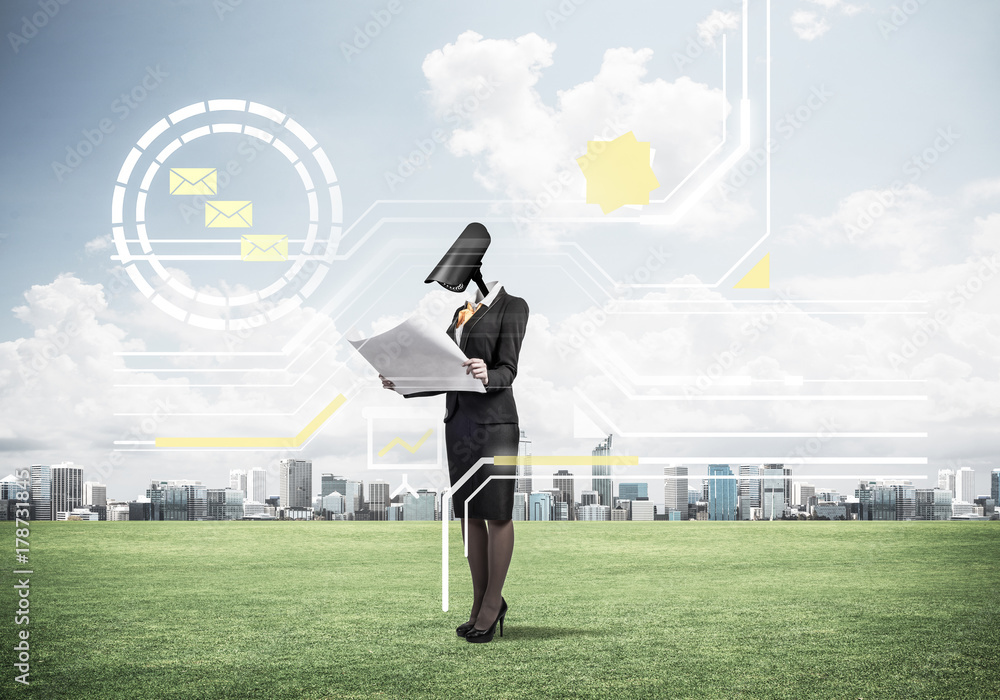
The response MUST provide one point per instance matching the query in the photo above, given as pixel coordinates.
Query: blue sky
(892, 86)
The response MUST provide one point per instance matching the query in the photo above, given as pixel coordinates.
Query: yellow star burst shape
(618, 172)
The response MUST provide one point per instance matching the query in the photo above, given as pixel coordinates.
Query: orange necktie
(466, 313)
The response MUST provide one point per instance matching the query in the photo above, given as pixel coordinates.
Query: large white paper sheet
(418, 356)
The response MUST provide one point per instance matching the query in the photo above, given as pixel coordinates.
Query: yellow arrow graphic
(296, 441)
(405, 444)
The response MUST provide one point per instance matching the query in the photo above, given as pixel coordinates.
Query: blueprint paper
(418, 356)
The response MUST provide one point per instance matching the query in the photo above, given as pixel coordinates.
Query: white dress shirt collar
(494, 288)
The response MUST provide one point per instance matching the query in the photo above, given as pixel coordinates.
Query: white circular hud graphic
(297, 275)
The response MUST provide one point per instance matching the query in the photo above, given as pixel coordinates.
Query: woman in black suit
(482, 424)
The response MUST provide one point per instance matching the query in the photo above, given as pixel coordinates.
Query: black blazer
(493, 334)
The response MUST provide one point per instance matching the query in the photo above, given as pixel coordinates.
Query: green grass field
(597, 610)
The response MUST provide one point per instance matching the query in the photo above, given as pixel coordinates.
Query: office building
(675, 490)
(295, 479)
(772, 494)
(589, 497)
(593, 512)
(333, 503)
(723, 494)
(95, 494)
(633, 491)
(238, 481)
(328, 483)
(67, 487)
(257, 485)
(540, 506)
(421, 506)
(560, 511)
(946, 481)
(520, 506)
(619, 513)
(643, 510)
(933, 504)
(183, 500)
(118, 512)
(522, 484)
(224, 504)
(563, 481)
(378, 499)
(995, 485)
(749, 490)
(602, 472)
(965, 485)
(802, 492)
(41, 492)
(830, 510)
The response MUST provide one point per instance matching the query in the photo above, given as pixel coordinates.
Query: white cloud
(524, 147)
(809, 24)
(715, 25)
(98, 244)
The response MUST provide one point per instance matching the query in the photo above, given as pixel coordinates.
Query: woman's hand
(387, 384)
(477, 368)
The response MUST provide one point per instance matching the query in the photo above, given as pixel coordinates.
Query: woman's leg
(500, 549)
(474, 531)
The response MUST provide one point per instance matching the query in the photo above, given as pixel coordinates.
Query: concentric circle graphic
(302, 272)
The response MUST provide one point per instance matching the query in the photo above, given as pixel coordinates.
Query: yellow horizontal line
(559, 460)
(290, 442)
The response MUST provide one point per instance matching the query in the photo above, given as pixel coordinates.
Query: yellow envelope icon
(193, 181)
(228, 214)
(264, 248)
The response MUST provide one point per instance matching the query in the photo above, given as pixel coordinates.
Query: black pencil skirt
(469, 441)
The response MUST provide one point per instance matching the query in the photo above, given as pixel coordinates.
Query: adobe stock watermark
(248, 148)
(913, 168)
(934, 324)
(787, 126)
(122, 106)
(594, 319)
(224, 7)
(750, 332)
(553, 189)
(365, 34)
(30, 26)
(563, 11)
(424, 148)
(714, 25)
(899, 16)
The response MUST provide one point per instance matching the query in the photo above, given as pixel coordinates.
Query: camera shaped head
(460, 265)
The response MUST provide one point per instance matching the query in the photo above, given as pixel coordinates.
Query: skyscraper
(41, 492)
(522, 484)
(802, 492)
(540, 506)
(295, 478)
(94, 494)
(633, 491)
(995, 486)
(378, 499)
(257, 485)
(599, 469)
(328, 483)
(67, 487)
(238, 480)
(722, 493)
(563, 480)
(946, 480)
(749, 495)
(772, 496)
(675, 490)
(965, 485)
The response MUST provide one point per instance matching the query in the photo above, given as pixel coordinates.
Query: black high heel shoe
(464, 628)
(477, 636)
